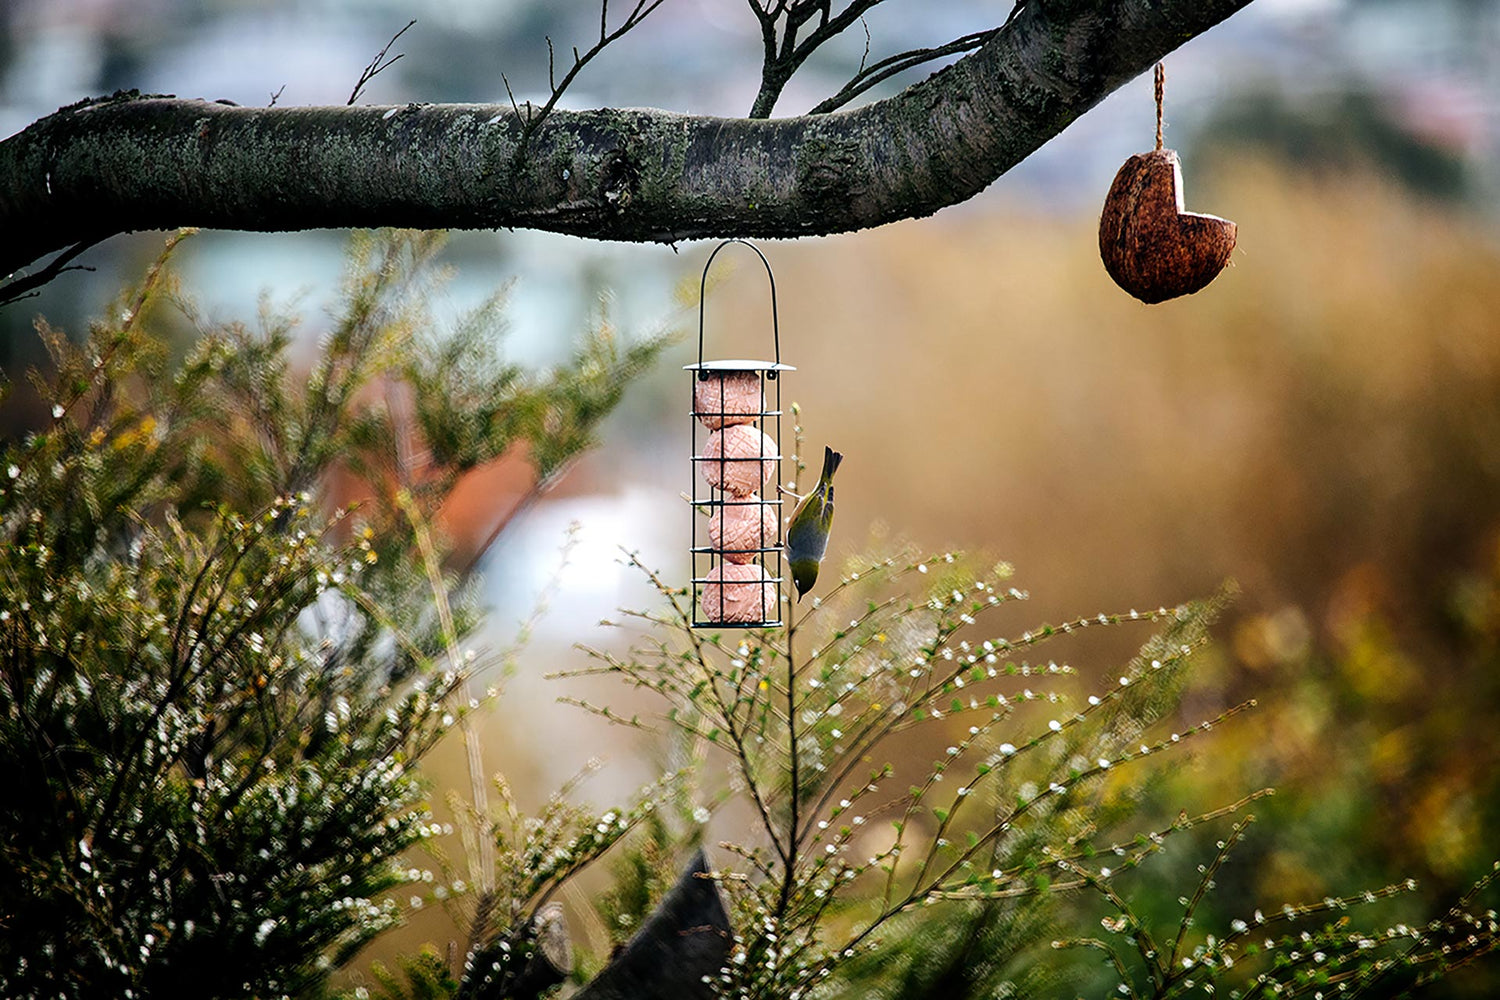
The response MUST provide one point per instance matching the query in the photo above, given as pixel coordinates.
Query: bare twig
(25, 287)
(1226, 846)
(533, 121)
(276, 95)
(884, 69)
(937, 886)
(514, 106)
(784, 55)
(377, 65)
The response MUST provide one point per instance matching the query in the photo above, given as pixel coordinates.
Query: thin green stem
(791, 731)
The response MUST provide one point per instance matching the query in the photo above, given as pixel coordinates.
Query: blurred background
(1321, 425)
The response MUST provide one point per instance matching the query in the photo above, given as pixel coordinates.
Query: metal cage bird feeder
(737, 574)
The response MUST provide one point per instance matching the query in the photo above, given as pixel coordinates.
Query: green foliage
(993, 822)
(967, 949)
(639, 878)
(1307, 949)
(1361, 803)
(215, 682)
(535, 857)
(426, 977)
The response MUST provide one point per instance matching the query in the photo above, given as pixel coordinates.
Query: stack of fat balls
(738, 460)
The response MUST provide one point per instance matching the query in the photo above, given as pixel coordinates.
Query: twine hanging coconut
(1151, 246)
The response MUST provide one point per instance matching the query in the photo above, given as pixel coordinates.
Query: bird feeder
(1151, 245)
(738, 561)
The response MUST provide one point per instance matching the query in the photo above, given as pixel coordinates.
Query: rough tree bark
(128, 163)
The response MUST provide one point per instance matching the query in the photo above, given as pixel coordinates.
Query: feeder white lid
(740, 366)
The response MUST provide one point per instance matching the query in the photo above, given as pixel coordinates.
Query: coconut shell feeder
(738, 560)
(1151, 245)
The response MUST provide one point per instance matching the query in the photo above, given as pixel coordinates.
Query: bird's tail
(831, 460)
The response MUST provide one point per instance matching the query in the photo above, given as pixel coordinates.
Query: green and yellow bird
(807, 534)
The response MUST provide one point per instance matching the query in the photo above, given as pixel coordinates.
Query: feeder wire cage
(738, 559)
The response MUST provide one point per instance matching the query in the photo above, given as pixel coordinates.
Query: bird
(807, 534)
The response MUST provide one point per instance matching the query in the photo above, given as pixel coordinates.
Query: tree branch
(625, 174)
